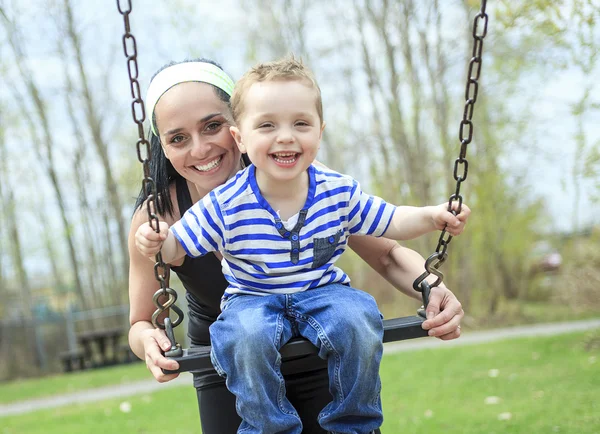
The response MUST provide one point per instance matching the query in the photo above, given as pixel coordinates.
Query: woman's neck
(197, 192)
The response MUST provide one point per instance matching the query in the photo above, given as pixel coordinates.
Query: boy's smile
(281, 130)
(285, 159)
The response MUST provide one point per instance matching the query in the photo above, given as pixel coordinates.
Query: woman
(192, 153)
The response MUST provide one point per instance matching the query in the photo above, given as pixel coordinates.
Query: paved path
(148, 386)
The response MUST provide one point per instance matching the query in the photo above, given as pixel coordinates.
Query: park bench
(97, 349)
(72, 360)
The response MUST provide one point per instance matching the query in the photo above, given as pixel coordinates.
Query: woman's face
(194, 134)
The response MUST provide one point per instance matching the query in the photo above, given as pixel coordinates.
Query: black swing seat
(397, 329)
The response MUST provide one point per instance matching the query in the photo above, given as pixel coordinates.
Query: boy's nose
(285, 136)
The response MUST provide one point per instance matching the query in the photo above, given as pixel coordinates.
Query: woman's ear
(235, 132)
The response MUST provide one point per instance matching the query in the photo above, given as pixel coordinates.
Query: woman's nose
(200, 147)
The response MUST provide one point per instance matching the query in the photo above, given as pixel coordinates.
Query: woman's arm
(144, 339)
(400, 266)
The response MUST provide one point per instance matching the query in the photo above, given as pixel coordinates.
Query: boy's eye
(266, 125)
(301, 124)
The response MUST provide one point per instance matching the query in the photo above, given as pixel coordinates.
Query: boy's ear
(235, 132)
(322, 128)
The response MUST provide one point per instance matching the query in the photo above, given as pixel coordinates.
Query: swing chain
(465, 135)
(148, 185)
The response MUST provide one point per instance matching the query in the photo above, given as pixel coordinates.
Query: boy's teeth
(285, 157)
(211, 165)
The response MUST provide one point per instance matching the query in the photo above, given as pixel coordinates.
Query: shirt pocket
(324, 248)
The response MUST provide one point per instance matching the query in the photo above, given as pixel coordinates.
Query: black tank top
(204, 283)
(202, 279)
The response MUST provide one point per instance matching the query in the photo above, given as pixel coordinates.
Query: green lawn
(58, 384)
(543, 385)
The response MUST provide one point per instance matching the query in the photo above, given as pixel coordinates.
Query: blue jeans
(342, 322)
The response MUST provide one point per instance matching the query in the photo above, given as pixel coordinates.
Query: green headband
(182, 73)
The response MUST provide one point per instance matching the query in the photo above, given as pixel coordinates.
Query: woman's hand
(154, 340)
(444, 314)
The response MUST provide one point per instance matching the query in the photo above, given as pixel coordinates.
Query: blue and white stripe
(237, 221)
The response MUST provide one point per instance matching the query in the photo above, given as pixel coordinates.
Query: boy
(280, 225)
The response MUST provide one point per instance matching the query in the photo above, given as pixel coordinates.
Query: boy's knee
(252, 336)
(363, 315)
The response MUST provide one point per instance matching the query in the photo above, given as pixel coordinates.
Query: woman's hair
(161, 170)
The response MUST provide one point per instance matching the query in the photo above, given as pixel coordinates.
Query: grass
(65, 383)
(517, 312)
(542, 385)
(172, 410)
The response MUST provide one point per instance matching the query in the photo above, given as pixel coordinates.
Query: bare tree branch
(47, 144)
(95, 125)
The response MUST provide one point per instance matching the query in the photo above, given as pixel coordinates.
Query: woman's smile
(211, 166)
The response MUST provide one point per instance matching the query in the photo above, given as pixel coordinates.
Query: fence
(31, 347)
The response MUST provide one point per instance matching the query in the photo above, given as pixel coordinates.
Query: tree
(94, 123)
(43, 141)
(7, 200)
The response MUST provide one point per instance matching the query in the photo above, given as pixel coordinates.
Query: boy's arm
(172, 249)
(149, 242)
(410, 222)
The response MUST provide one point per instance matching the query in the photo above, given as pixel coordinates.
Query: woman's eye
(213, 126)
(176, 139)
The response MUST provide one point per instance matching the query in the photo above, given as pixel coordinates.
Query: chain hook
(161, 307)
(465, 135)
(425, 290)
(138, 112)
(175, 350)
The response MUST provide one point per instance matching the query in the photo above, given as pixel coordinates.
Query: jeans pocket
(226, 302)
(324, 248)
(217, 365)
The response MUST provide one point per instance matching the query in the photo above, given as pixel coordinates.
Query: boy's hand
(442, 218)
(148, 241)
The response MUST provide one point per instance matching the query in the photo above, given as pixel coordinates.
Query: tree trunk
(46, 144)
(25, 295)
(374, 86)
(95, 124)
(93, 274)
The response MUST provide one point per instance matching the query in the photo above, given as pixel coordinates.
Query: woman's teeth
(209, 166)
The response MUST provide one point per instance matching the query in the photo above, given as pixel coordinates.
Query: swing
(396, 329)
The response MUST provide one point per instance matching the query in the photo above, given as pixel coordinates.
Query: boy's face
(280, 128)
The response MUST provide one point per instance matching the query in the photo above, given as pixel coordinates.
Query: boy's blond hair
(287, 69)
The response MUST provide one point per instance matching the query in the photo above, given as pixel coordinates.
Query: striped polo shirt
(261, 255)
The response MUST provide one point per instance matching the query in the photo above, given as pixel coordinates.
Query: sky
(546, 155)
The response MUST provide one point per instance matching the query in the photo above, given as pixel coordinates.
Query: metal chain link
(138, 112)
(465, 135)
